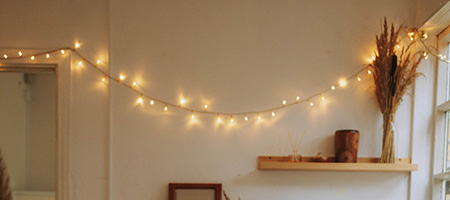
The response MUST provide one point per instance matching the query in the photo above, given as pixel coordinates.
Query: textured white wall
(242, 56)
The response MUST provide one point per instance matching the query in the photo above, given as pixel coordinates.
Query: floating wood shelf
(363, 165)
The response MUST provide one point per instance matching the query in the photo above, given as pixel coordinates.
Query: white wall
(13, 127)
(247, 55)
(41, 138)
(426, 9)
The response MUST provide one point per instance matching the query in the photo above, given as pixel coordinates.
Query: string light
(424, 35)
(297, 99)
(311, 103)
(369, 72)
(104, 79)
(284, 102)
(134, 83)
(206, 107)
(245, 118)
(259, 117)
(5, 56)
(47, 55)
(231, 119)
(358, 78)
(333, 87)
(80, 63)
(152, 102)
(182, 101)
(98, 62)
(62, 51)
(32, 57)
(218, 118)
(192, 115)
(77, 45)
(323, 98)
(425, 54)
(140, 100)
(342, 83)
(122, 77)
(165, 108)
(20, 53)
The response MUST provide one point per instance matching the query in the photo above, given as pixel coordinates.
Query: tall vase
(388, 150)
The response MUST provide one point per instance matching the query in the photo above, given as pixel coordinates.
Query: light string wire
(179, 106)
(413, 33)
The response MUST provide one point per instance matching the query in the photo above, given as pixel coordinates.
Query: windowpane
(447, 190)
(447, 131)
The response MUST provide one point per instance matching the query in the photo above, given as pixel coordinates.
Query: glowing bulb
(140, 100)
(165, 108)
(369, 72)
(62, 51)
(342, 83)
(218, 119)
(192, 115)
(32, 57)
(311, 103)
(122, 77)
(182, 101)
(104, 79)
(424, 35)
(284, 102)
(134, 83)
(20, 53)
(259, 117)
(80, 63)
(152, 102)
(397, 46)
(231, 119)
(273, 114)
(323, 98)
(245, 118)
(298, 98)
(47, 55)
(373, 58)
(333, 87)
(98, 61)
(358, 78)
(77, 45)
(5, 56)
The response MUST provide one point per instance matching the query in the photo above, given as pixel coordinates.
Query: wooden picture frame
(217, 187)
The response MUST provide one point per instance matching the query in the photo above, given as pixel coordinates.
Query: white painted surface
(13, 127)
(247, 55)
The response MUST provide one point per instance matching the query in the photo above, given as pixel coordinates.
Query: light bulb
(311, 103)
(182, 101)
(259, 117)
(77, 45)
(5, 56)
(298, 98)
(369, 72)
(47, 55)
(373, 58)
(20, 53)
(424, 35)
(358, 78)
(323, 98)
(104, 78)
(152, 102)
(192, 115)
(62, 51)
(218, 119)
(245, 118)
(284, 102)
(333, 87)
(122, 77)
(134, 83)
(32, 57)
(231, 119)
(80, 63)
(98, 61)
(140, 100)
(397, 46)
(165, 108)
(273, 114)
(342, 83)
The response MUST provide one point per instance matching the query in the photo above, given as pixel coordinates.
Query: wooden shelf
(363, 165)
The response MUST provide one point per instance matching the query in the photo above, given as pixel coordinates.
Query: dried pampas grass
(393, 75)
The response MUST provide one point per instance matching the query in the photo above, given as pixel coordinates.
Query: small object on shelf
(295, 158)
(320, 157)
(346, 145)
